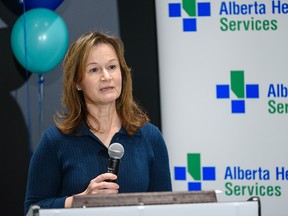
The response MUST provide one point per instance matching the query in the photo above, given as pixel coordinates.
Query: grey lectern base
(202, 203)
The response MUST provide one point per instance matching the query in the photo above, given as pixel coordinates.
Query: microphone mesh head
(116, 151)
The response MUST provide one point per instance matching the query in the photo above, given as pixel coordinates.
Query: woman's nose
(106, 75)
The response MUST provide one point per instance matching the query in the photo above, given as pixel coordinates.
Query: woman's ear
(78, 87)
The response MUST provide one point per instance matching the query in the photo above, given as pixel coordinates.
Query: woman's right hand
(98, 185)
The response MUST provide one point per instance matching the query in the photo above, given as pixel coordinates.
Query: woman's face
(102, 81)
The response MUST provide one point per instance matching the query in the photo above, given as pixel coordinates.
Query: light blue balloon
(46, 40)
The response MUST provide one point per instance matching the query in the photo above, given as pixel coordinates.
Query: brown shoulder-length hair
(131, 114)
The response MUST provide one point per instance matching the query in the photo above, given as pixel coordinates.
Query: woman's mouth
(106, 88)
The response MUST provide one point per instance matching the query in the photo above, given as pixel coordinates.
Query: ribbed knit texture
(63, 165)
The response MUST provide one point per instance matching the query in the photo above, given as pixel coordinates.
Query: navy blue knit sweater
(63, 165)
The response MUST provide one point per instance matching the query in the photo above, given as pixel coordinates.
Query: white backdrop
(246, 151)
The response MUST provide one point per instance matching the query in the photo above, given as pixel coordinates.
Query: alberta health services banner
(224, 89)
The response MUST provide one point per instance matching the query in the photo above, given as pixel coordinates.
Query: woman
(99, 109)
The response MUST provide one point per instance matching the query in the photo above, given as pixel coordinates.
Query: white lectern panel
(249, 208)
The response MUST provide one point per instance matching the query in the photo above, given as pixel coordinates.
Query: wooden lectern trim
(147, 198)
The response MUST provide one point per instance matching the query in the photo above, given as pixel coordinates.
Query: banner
(224, 89)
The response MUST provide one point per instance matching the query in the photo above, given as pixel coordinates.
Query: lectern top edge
(143, 198)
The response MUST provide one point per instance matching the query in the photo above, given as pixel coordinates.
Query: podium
(202, 203)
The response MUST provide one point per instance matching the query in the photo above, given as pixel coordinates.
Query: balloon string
(40, 101)
(27, 78)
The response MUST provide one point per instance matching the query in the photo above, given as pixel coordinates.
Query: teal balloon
(46, 40)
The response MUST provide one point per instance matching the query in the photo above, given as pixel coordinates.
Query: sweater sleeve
(44, 176)
(160, 178)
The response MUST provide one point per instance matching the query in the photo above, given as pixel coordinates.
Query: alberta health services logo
(193, 10)
(238, 181)
(196, 171)
(277, 94)
(240, 90)
(233, 15)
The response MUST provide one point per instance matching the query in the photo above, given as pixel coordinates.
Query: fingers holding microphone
(100, 185)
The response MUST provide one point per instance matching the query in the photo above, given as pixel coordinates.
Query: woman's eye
(93, 70)
(111, 67)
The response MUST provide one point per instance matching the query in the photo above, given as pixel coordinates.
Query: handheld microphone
(116, 152)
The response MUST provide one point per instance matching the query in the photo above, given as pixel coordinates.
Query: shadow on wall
(14, 145)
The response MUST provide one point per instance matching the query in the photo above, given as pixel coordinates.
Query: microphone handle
(113, 167)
